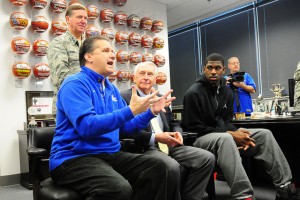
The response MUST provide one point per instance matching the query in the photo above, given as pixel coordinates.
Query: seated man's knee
(120, 190)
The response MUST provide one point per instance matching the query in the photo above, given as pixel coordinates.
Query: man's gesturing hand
(141, 104)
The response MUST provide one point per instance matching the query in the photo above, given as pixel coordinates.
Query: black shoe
(288, 192)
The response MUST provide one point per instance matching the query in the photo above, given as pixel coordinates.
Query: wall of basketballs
(137, 28)
(136, 36)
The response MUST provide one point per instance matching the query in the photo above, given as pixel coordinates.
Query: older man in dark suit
(190, 168)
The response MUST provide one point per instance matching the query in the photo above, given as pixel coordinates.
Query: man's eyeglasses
(234, 63)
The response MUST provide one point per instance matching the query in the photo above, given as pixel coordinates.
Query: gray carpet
(263, 192)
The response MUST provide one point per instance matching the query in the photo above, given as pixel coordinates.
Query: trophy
(32, 123)
(277, 90)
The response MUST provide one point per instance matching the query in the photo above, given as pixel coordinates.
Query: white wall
(12, 101)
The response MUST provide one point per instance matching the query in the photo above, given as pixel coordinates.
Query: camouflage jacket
(297, 87)
(63, 58)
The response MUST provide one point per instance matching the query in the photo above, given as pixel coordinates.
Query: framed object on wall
(40, 103)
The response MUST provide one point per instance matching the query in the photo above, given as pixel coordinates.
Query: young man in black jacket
(207, 110)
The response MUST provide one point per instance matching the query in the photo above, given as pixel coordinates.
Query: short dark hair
(214, 57)
(88, 46)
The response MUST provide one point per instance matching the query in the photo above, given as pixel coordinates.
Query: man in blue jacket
(242, 89)
(85, 153)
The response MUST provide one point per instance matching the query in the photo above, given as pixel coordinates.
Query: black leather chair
(38, 152)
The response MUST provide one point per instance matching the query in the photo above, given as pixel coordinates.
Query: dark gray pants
(189, 171)
(228, 158)
(118, 176)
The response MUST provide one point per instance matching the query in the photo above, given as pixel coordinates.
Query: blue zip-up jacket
(90, 118)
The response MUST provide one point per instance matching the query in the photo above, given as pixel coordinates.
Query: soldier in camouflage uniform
(63, 51)
(297, 88)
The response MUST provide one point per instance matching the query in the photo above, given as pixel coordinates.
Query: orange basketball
(146, 23)
(120, 18)
(18, 2)
(40, 47)
(38, 4)
(135, 58)
(122, 56)
(108, 32)
(21, 70)
(134, 39)
(59, 26)
(93, 12)
(133, 21)
(106, 15)
(92, 30)
(157, 26)
(159, 60)
(147, 57)
(18, 20)
(39, 24)
(20, 45)
(158, 43)
(58, 6)
(147, 41)
(123, 76)
(41, 70)
(161, 78)
(121, 37)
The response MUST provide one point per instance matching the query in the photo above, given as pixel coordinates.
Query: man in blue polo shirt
(244, 89)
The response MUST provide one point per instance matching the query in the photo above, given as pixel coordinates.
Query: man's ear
(67, 19)
(133, 78)
(224, 69)
(88, 57)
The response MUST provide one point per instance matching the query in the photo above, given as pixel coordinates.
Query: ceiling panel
(184, 12)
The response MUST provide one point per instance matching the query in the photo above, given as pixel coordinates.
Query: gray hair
(143, 64)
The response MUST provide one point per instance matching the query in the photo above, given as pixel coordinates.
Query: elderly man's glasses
(234, 63)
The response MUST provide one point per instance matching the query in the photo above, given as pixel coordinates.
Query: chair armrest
(36, 152)
(125, 142)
